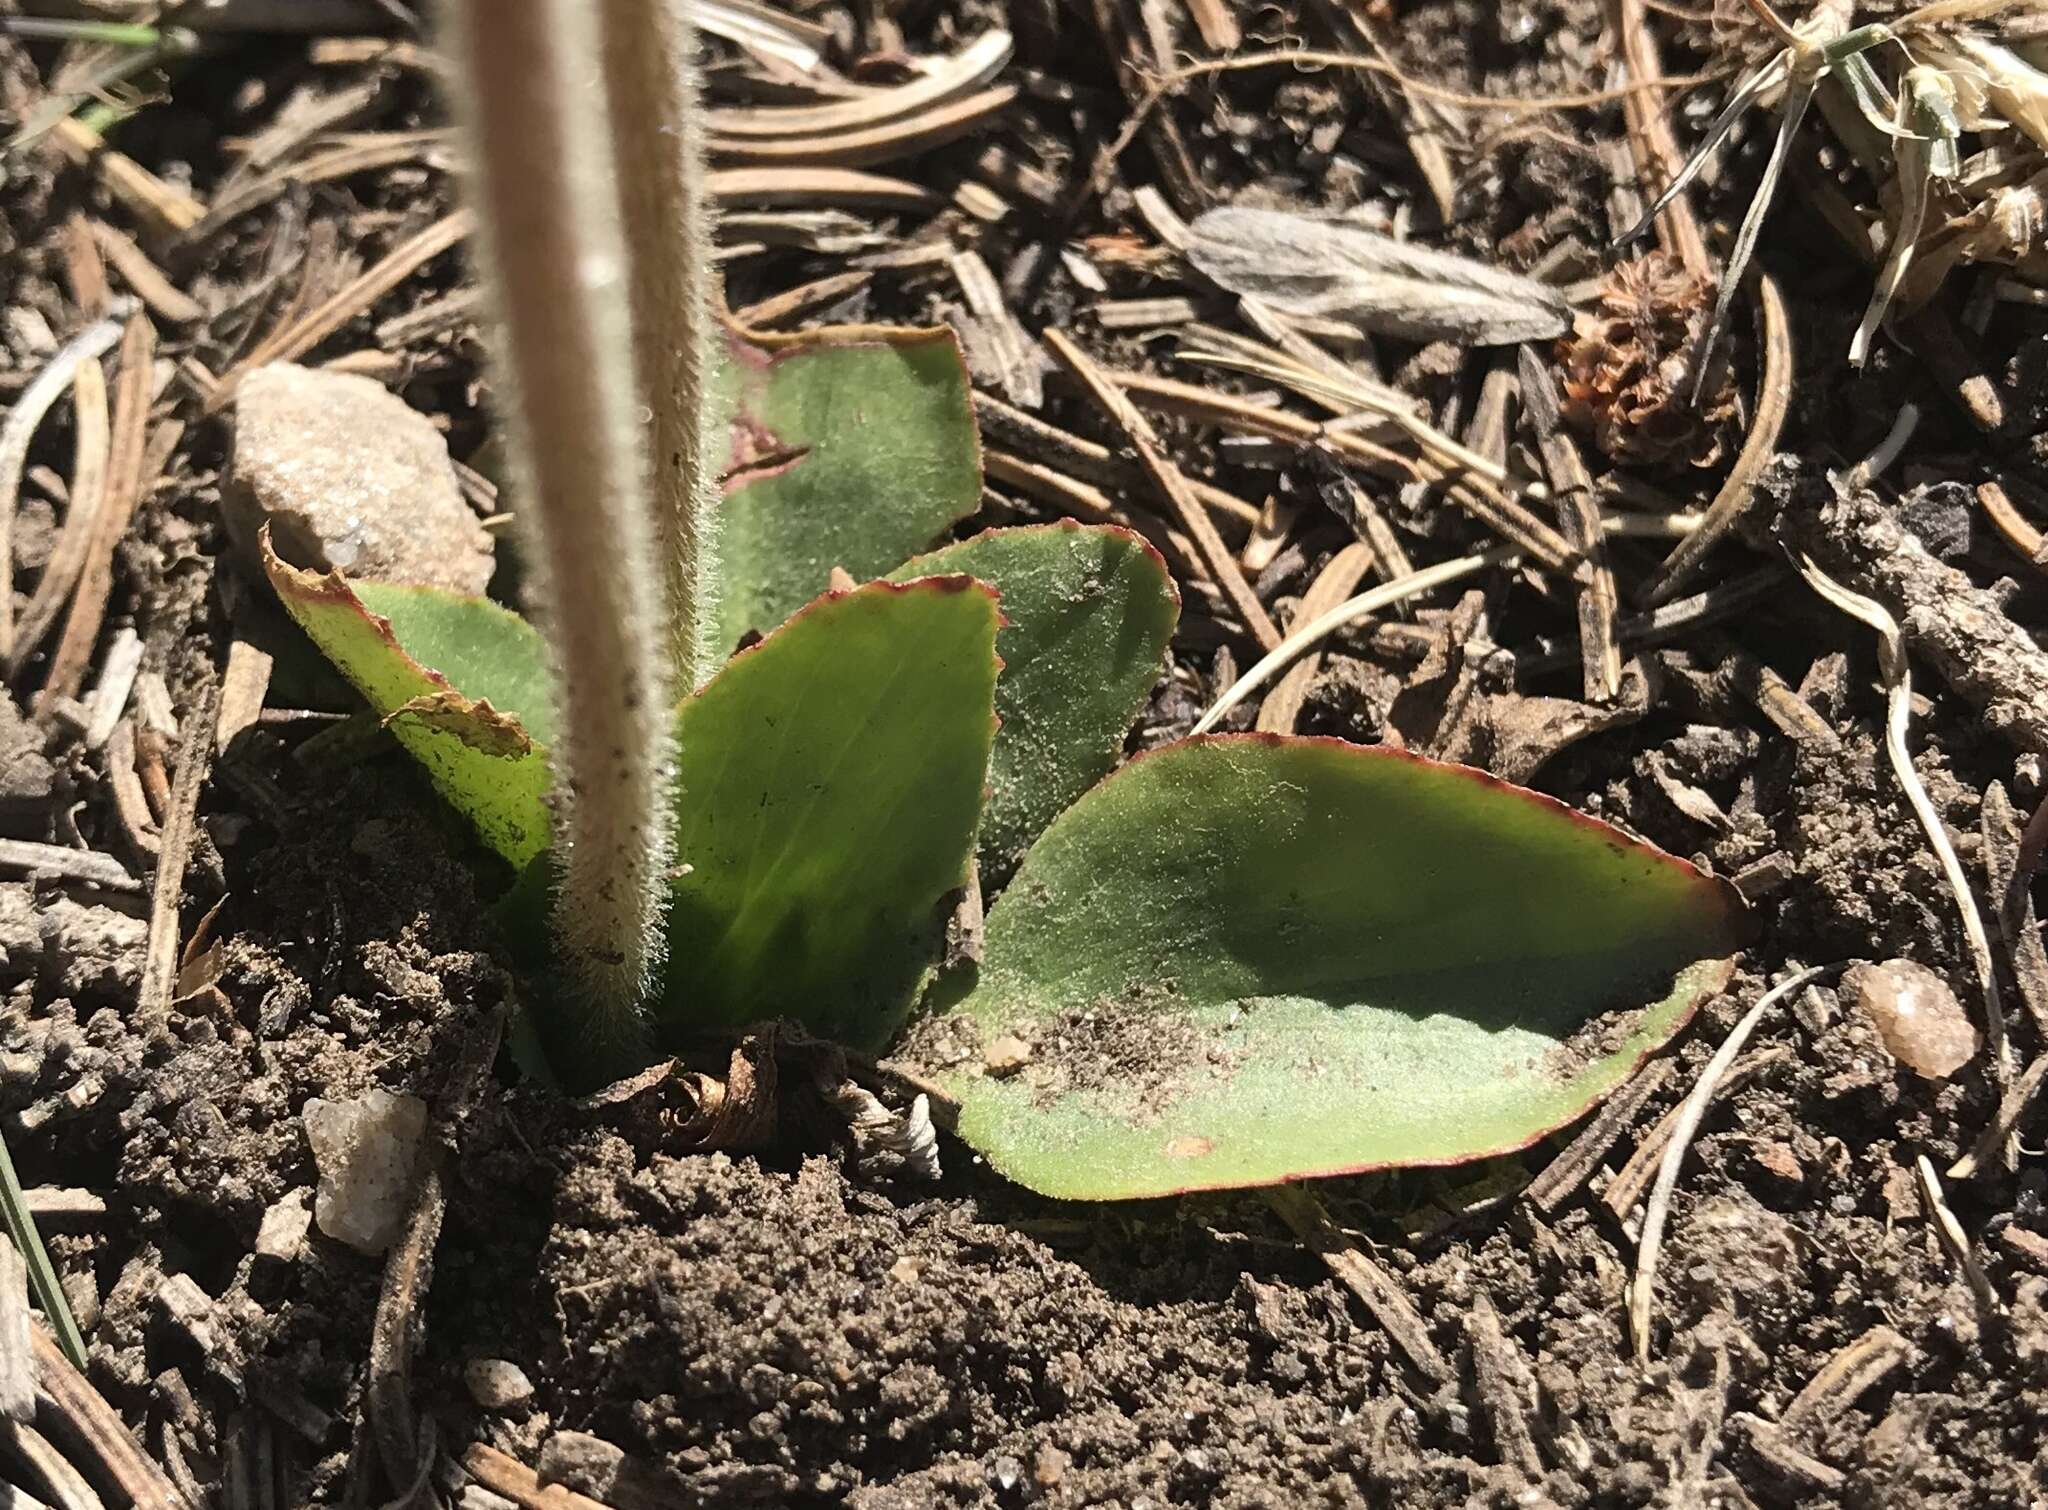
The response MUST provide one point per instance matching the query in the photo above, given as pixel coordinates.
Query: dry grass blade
(26, 413)
(1216, 556)
(1642, 1289)
(1575, 1165)
(154, 995)
(1632, 1181)
(1281, 710)
(1898, 681)
(127, 483)
(26, 1248)
(765, 30)
(1954, 1239)
(1387, 595)
(300, 336)
(170, 211)
(24, 857)
(88, 491)
(811, 188)
(1773, 404)
(395, 149)
(1472, 481)
(151, 286)
(2012, 1109)
(970, 68)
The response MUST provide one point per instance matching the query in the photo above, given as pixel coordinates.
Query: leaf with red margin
(828, 785)
(461, 682)
(1247, 959)
(1088, 611)
(852, 446)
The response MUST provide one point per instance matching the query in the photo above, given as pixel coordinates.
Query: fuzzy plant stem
(555, 264)
(657, 134)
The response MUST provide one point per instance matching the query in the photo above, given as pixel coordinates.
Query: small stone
(579, 1461)
(1916, 1015)
(27, 778)
(1006, 1055)
(1049, 1465)
(1778, 1161)
(282, 1234)
(367, 1152)
(906, 1270)
(496, 1384)
(348, 477)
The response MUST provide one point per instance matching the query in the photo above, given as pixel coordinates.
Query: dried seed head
(1628, 367)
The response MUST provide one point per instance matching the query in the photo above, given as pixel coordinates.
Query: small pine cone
(1627, 368)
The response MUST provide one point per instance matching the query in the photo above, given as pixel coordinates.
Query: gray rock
(496, 1384)
(348, 476)
(28, 780)
(579, 1461)
(90, 951)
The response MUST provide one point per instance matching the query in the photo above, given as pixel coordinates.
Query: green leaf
(1243, 960)
(1088, 611)
(829, 783)
(851, 447)
(461, 682)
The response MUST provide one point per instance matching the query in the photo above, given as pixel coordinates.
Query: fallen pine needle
(1387, 594)
(1898, 682)
(1658, 1210)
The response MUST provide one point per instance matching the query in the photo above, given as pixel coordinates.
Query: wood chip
(65, 1391)
(243, 687)
(507, 1476)
(1505, 1386)
(1020, 364)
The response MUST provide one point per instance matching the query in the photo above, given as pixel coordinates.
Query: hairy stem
(555, 261)
(650, 72)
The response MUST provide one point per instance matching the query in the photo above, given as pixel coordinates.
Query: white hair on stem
(557, 269)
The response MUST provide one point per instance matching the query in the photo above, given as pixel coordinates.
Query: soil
(797, 1324)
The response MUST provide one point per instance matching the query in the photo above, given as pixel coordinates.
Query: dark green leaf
(829, 783)
(851, 447)
(1088, 611)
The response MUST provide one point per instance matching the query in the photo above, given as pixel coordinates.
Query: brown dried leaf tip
(1627, 367)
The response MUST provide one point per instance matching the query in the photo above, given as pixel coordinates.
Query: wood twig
(1575, 1164)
